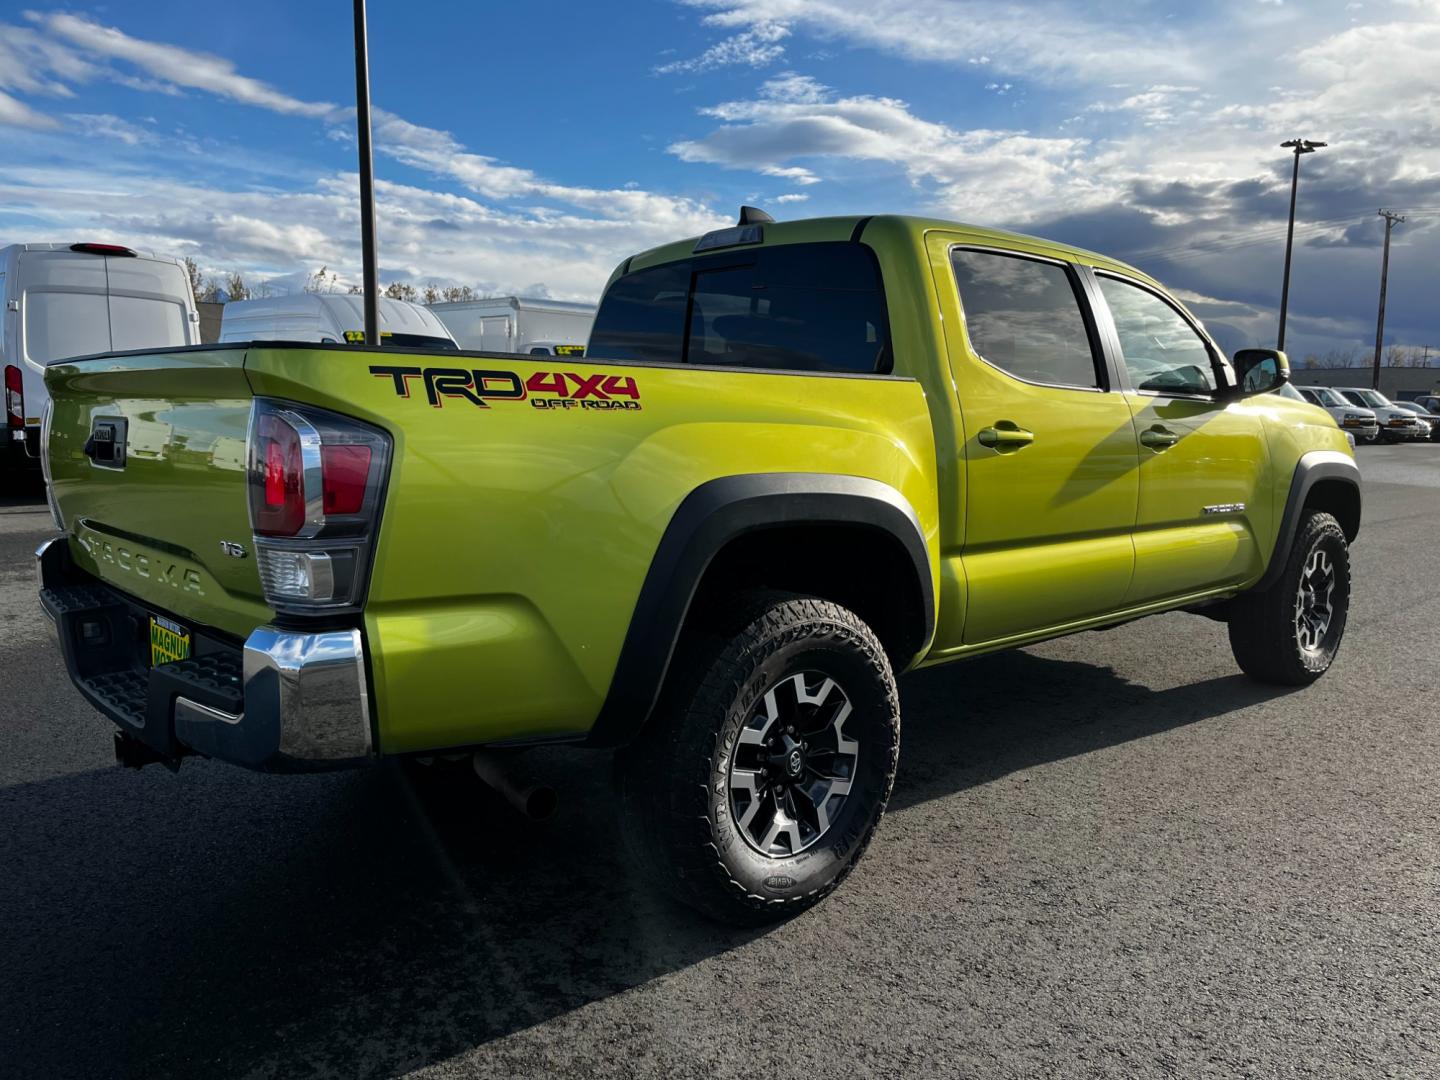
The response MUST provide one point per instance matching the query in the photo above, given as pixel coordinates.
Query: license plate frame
(169, 641)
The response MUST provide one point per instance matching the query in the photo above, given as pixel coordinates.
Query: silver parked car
(1396, 425)
(1429, 418)
(1359, 422)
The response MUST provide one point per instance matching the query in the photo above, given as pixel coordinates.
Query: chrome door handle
(1005, 436)
(1158, 438)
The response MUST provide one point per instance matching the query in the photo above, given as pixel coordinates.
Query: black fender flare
(1312, 467)
(706, 520)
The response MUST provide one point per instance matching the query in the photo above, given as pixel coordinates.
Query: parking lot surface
(1107, 856)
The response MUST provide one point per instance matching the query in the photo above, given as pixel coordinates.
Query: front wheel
(1289, 634)
(761, 778)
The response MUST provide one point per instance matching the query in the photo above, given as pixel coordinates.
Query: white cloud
(1047, 41)
(1000, 175)
(791, 197)
(594, 227)
(177, 66)
(792, 86)
(423, 235)
(1159, 104)
(755, 47)
(106, 125)
(16, 113)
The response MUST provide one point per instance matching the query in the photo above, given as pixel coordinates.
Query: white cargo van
(518, 324)
(338, 318)
(64, 300)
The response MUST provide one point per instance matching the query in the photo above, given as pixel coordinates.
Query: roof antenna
(752, 215)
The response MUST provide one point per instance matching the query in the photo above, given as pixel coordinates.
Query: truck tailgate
(168, 520)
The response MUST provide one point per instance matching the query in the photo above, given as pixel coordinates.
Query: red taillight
(14, 398)
(103, 249)
(316, 481)
(344, 470)
(282, 510)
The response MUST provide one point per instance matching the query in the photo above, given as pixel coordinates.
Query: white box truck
(66, 300)
(519, 324)
(337, 318)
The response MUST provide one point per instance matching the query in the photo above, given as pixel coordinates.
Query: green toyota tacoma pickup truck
(797, 459)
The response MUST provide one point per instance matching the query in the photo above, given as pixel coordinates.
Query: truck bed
(525, 501)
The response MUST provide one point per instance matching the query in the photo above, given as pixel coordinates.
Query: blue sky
(530, 147)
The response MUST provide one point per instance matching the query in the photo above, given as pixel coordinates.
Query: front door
(1202, 453)
(1048, 450)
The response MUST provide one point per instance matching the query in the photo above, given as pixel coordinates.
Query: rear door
(495, 333)
(1202, 456)
(1048, 452)
(148, 304)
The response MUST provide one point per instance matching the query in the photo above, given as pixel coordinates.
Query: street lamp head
(1302, 146)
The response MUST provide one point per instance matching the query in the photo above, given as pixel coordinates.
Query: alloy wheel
(1313, 608)
(793, 765)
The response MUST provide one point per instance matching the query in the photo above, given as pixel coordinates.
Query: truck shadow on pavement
(219, 923)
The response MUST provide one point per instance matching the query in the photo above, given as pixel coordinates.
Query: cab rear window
(796, 307)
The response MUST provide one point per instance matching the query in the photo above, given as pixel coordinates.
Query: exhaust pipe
(504, 773)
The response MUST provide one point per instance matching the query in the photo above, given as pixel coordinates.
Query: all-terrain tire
(1275, 634)
(724, 695)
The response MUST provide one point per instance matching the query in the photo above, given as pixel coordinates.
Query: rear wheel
(1289, 634)
(768, 764)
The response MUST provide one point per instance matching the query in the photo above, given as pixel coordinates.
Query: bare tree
(401, 290)
(197, 282)
(323, 280)
(431, 295)
(354, 290)
(1334, 358)
(235, 287)
(453, 293)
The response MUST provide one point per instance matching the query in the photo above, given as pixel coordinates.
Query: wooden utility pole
(1391, 220)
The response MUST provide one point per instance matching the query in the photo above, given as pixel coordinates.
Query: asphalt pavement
(1107, 856)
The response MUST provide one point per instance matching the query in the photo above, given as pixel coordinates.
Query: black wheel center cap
(787, 758)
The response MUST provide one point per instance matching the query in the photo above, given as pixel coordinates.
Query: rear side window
(642, 316)
(797, 307)
(1023, 316)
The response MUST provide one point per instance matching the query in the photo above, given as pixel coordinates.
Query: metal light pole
(367, 179)
(1391, 220)
(1298, 146)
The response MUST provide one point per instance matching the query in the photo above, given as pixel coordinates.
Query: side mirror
(1258, 371)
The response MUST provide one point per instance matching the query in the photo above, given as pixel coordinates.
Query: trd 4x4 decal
(543, 389)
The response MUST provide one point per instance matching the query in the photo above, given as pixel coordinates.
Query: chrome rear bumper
(285, 700)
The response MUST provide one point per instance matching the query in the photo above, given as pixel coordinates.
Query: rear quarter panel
(516, 537)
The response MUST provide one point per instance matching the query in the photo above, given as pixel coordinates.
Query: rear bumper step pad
(281, 701)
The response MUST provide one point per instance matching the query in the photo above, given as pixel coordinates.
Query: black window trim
(1219, 366)
(1104, 373)
(730, 259)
